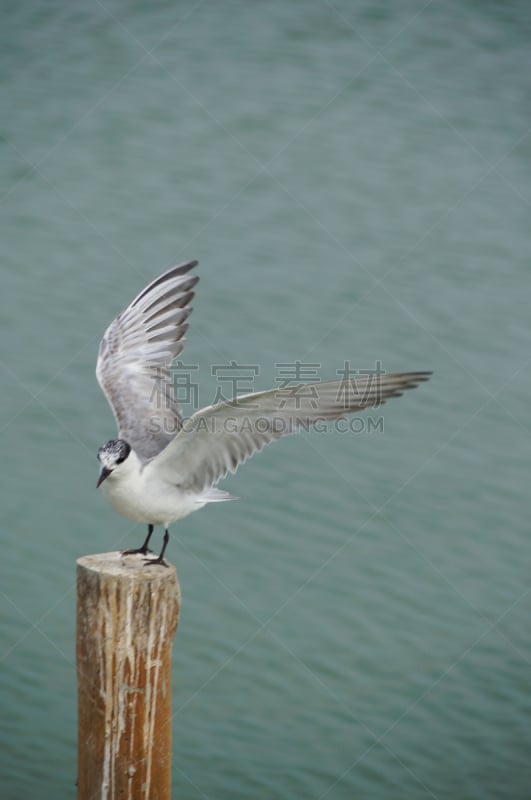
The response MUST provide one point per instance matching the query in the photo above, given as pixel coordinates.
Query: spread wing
(134, 359)
(217, 439)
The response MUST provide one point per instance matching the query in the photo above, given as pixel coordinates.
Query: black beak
(103, 474)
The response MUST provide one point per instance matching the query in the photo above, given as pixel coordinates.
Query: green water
(354, 179)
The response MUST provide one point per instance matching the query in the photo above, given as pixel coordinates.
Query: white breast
(142, 499)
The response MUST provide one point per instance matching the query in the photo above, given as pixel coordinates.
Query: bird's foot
(159, 561)
(138, 551)
(143, 550)
(154, 562)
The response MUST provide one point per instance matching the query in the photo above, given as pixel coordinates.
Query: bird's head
(111, 456)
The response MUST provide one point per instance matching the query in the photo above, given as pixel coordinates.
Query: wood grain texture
(127, 615)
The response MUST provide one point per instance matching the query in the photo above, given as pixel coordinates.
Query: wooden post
(127, 615)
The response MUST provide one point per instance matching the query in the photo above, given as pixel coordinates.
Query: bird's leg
(160, 559)
(144, 550)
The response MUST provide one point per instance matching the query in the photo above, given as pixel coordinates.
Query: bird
(162, 467)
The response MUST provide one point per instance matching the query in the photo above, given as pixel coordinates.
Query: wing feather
(219, 438)
(135, 356)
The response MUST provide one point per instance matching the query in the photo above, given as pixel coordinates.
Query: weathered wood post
(127, 615)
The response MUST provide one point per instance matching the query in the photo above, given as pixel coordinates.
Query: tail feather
(214, 495)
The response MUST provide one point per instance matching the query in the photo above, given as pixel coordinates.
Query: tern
(162, 467)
